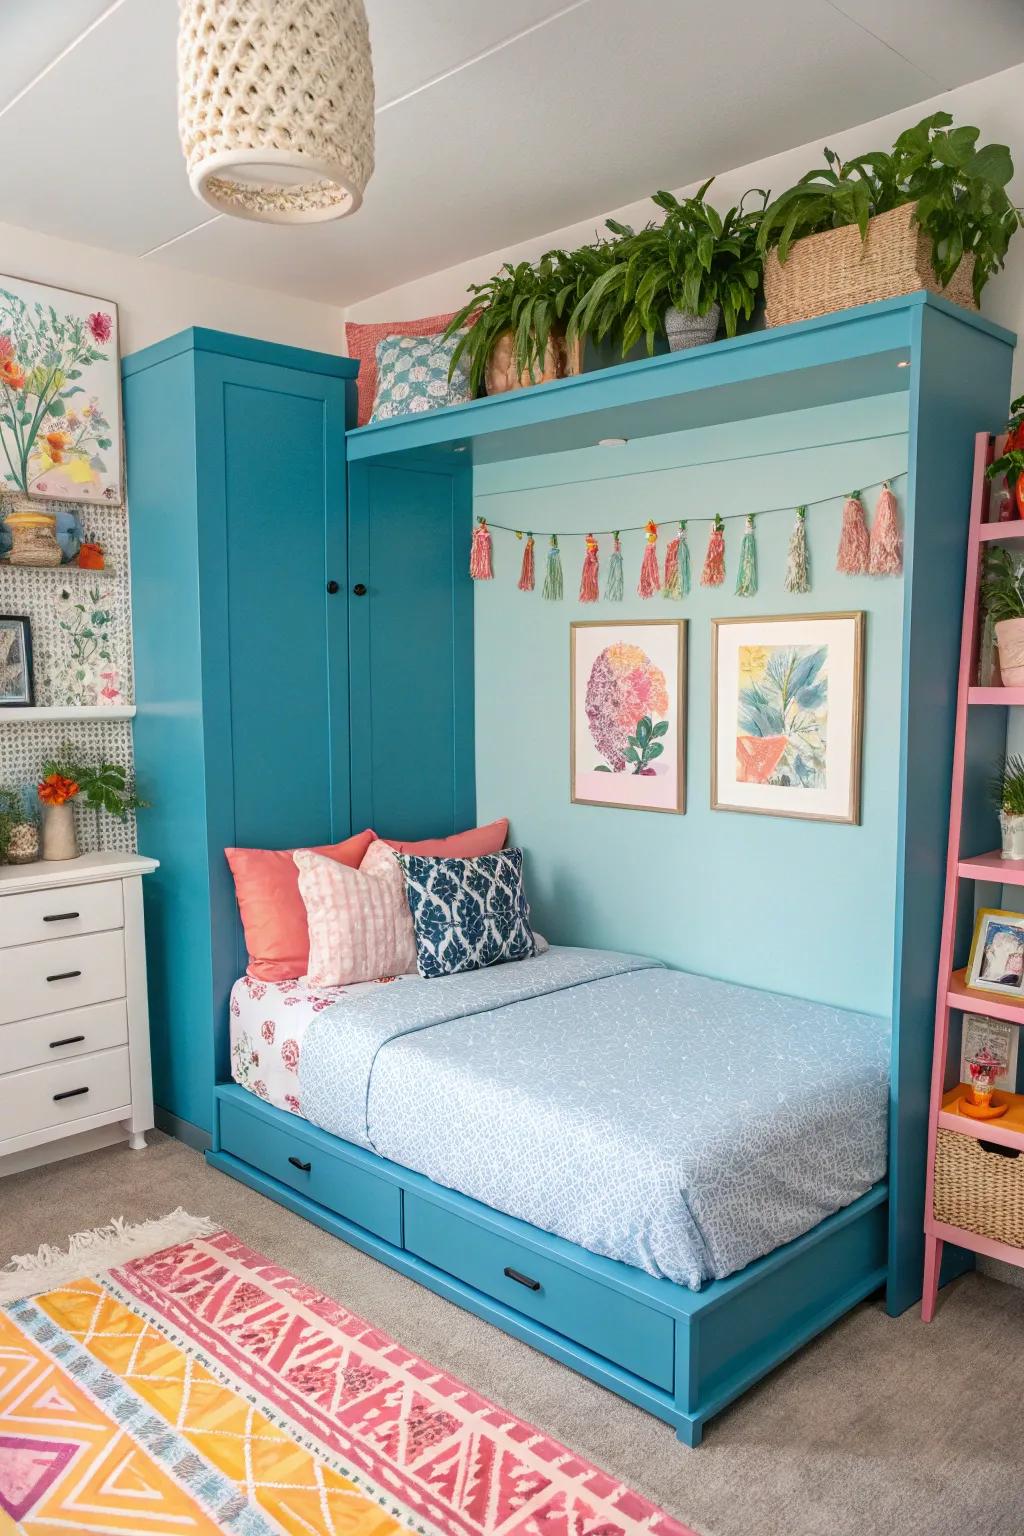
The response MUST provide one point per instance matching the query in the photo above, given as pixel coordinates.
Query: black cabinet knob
(359, 589)
(332, 587)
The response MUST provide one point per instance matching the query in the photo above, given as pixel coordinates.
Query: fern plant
(1003, 586)
(1008, 786)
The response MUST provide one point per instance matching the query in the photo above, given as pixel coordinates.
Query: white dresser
(74, 1019)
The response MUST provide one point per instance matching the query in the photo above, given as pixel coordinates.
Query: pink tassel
(526, 575)
(588, 577)
(671, 582)
(713, 573)
(886, 542)
(480, 567)
(854, 546)
(650, 581)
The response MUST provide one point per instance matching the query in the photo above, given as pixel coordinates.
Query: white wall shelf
(35, 714)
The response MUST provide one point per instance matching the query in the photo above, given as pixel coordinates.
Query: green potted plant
(19, 837)
(1011, 461)
(931, 213)
(1008, 794)
(102, 786)
(679, 278)
(1003, 594)
(515, 322)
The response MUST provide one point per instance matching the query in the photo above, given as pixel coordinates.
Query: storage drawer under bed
(621, 1328)
(303, 1163)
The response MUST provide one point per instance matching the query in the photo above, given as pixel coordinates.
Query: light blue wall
(799, 907)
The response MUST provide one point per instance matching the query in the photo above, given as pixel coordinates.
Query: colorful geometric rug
(203, 1389)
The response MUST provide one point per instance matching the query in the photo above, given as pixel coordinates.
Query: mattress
(682, 1125)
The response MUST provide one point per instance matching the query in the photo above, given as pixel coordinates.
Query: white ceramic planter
(1010, 644)
(1012, 828)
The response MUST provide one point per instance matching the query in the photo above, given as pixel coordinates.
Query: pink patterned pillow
(360, 926)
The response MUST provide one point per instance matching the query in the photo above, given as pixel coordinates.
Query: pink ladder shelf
(953, 993)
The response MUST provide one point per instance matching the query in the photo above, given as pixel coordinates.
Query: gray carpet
(882, 1427)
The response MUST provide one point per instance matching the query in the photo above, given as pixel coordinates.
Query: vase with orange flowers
(56, 793)
(98, 787)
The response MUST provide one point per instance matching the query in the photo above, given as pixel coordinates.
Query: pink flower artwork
(624, 687)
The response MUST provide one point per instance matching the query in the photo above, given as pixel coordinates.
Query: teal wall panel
(798, 907)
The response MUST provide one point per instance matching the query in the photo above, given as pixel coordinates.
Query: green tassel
(614, 585)
(553, 575)
(746, 579)
(798, 576)
(684, 561)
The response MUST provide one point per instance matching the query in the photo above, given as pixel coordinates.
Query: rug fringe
(89, 1253)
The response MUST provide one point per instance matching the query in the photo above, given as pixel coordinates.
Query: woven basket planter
(977, 1190)
(837, 269)
(561, 360)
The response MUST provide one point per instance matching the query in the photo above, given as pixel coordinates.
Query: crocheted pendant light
(275, 106)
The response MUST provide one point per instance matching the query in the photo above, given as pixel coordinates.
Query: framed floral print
(16, 685)
(627, 743)
(786, 713)
(60, 394)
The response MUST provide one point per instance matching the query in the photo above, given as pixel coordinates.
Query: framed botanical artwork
(16, 688)
(627, 742)
(786, 712)
(990, 1040)
(997, 953)
(60, 394)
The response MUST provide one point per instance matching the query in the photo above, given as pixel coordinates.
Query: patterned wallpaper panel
(81, 642)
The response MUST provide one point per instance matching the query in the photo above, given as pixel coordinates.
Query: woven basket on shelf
(978, 1190)
(837, 269)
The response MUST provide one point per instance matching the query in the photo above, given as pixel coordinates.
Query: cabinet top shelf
(40, 713)
(850, 355)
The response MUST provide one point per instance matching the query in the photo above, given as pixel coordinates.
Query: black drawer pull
(359, 589)
(71, 1040)
(998, 1148)
(301, 1166)
(531, 1285)
(72, 1093)
(64, 976)
(60, 917)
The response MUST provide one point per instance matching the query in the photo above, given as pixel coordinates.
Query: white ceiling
(497, 119)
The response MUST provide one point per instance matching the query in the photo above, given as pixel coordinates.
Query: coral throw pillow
(361, 342)
(461, 845)
(360, 926)
(273, 916)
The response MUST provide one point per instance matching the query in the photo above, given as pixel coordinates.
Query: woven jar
(23, 847)
(837, 269)
(275, 106)
(33, 534)
(562, 359)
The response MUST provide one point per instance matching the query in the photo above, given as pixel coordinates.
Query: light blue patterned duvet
(682, 1125)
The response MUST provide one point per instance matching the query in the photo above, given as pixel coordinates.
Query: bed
(678, 1124)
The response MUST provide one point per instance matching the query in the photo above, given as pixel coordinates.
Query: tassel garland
(798, 576)
(613, 587)
(746, 578)
(480, 567)
(670, 587)
(713, 573)
(886, 557)
(854, 546)
(650, 581)
(588, 577)
(553, 575)
(526, 574)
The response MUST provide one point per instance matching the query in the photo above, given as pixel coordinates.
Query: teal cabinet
(254, 720)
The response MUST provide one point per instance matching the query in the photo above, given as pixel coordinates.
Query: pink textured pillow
(360, 926)
(361, 343)
(461, 845)
(273, 917)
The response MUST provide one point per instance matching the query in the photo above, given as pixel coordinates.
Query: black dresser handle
(60, 917)
(72, 1093)
(531, 1285)
(64, 976)
(301, 1166)
(71, 1040)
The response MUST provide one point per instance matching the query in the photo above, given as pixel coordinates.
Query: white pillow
(360, 926)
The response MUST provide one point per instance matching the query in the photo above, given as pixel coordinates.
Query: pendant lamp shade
(275, 106)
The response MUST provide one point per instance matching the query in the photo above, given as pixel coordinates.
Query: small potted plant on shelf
(1003, 595)
(102, 786)
(1008, 793)
(682, 278)
(1011, 461)
(19, 837)
(931, 213)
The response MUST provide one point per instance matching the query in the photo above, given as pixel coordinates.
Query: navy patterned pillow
(467, 913)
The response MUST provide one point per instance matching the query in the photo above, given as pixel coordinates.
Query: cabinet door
(413, 772)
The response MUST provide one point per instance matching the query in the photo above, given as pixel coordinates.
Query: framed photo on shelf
(997, 953)
(16, 688)
(786, 715)
(999, 1038)
(627, 734)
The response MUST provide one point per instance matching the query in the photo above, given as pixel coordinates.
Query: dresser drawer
(619, 1327)
(60, 974)
(305, 1165)
(59, 1036)
(32, 916)
(63, 1091)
